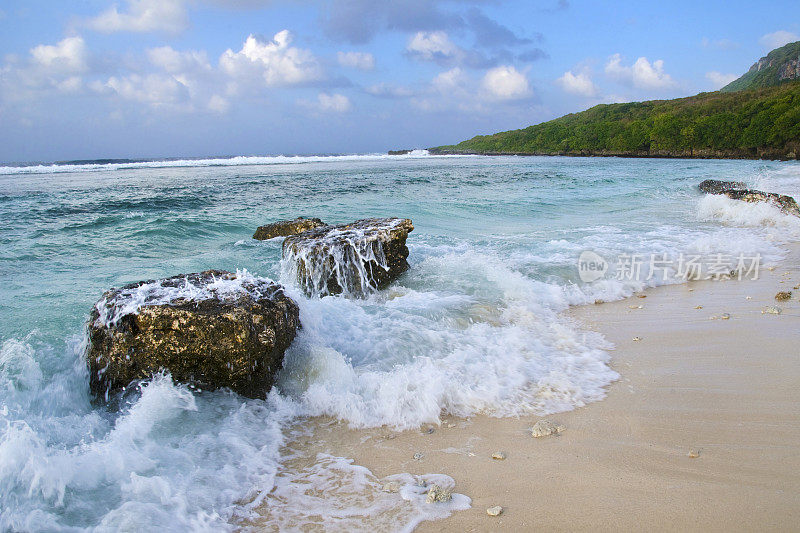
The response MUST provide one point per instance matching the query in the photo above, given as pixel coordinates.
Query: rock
(720, 187)
(698, 306)
(391, 486)
(499, 456)
(783, 296)
(772, 310)
(738, 191)
(354, 259)
(399, 152)
(543, 428)
(494, 511)
(210, 329)
(437, 494)
(284, 228)
(636, 339)
(694, 454)
(418, 456)
(725, 316)
(787, 204)
(428, 430)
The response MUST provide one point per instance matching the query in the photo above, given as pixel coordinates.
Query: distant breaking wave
(117, 164)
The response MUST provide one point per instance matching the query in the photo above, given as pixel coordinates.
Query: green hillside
(755, 123)
(779, 66)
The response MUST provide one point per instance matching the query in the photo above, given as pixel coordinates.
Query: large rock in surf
(353, 259)
(284, 228)
(211, 329)
(737, 191)
(720, 187)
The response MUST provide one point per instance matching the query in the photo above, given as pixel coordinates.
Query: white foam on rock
(129, 300)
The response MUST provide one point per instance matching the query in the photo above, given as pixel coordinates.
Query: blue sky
(164, 78)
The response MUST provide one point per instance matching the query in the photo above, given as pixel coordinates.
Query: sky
(88, 79)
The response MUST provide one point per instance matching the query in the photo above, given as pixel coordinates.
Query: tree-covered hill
(754, 123)
(779, 66)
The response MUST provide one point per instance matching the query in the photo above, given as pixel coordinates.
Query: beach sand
(726, 388)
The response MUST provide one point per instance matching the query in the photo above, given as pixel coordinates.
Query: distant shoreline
(766, 156)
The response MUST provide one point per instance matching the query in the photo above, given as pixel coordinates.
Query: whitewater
(476, 325)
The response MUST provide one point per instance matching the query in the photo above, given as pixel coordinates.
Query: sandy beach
(700, 432)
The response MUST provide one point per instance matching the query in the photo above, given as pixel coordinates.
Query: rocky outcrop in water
(720, 187)
(736, 191)
(211, 329)
(353, 259)
(284, 228)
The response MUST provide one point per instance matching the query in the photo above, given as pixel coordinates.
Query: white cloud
(642, 74)
(218, 104)
(720, 80)
(143, 16)
(432, 45)
(55, 68)
(153, 89)
(389, 91)
(580, 83)
(450, 80)
(335, 103)
(777, 39)
(359, 60)
(275, 61)
(506, 83)
(719, 44)
(173, 61)
(68, 56)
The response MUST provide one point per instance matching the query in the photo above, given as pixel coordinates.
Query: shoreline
(724, 389)
(624, 155)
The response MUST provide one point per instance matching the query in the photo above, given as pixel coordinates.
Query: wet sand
(728, 389)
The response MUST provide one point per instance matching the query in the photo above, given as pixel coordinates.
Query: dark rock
(787, 204)
(211, 329)
(736, 191)
(399, 152)
(353, 259)
(720, 187)
(783, 296)
(284, 228)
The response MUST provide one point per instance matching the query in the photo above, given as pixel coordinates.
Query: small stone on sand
(494, 511)
(499, 456)
(694, 454)
(772, 310)
(636, 307)
(725, 316)
(392, 486)
(783, 296)
(641, 296)
(543, 428)
(428, 430)
(698, 306)
(637, 339)
(437, 494)
(418, 456)
(748, 297)
(598, 302)
(690, 290)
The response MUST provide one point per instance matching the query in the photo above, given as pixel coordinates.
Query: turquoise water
(474, 326)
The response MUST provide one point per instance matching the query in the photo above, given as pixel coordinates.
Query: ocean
(476, 325)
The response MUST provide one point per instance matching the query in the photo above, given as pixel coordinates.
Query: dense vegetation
(758, 122)
(746, 124)
(779, 66)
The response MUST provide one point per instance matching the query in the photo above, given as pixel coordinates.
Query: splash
(354, 259)
(213, 284)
